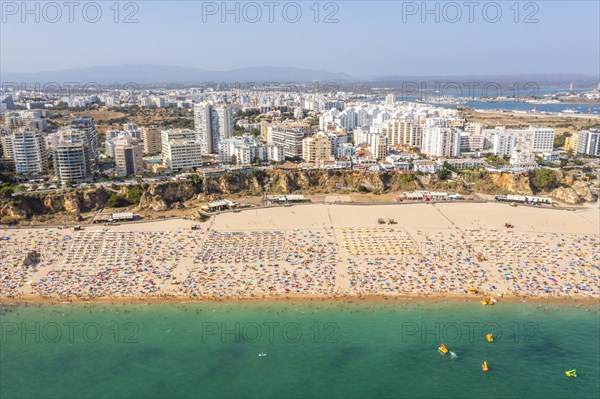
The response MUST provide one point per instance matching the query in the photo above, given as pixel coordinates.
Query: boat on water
(484, 367)
(262, 354)
(571, 373)
(489, 337)
(443, 350)
(570, 111)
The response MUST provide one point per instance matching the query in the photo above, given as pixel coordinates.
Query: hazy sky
(369, 38)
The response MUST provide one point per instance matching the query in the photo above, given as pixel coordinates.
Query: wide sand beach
(315, 251)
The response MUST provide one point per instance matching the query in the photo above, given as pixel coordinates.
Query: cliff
(161, 196)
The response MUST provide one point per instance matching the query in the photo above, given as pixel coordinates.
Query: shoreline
(338, 299)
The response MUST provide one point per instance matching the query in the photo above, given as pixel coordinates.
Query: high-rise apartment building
(441, 141)
(29, 152)
(152, 139)
(128, 156)
(212, 124)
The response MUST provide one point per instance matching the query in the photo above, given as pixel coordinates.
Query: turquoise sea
(313, 350)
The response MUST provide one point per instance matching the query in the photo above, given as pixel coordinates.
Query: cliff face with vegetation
(172, 194)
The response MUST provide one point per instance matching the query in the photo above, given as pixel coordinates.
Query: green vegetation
(496, 160)
(559, 140)
(544, 179)
(233, 160)
(134, 194)
(6, 190)
(407, 177)
(117, 201)
(443, 174)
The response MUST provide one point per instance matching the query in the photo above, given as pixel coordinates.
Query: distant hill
(165, 74)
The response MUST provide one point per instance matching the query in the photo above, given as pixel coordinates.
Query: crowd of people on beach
(272, 263)
(492, 262)
(323, 261)
(116, 263)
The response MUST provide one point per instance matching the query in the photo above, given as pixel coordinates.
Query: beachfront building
(289, 139)
(426, 166)
(588, 142)
(180, 149)
(317, 147)
(128, 156)
(70, 162)
(441, 141)
(29, 152)
(465, 163)
(152, 139)
(84, 129)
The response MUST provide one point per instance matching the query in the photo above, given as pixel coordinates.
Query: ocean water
(313, 350)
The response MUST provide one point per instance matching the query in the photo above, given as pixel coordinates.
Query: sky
(359, 38)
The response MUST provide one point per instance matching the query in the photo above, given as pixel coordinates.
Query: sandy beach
(315, 251)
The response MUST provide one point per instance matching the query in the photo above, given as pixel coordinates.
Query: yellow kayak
(443, 350)
(571, 373)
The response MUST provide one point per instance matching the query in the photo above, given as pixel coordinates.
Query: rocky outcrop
(159, 197)
(512, 183)
(566, 195)
(577, 193)
(583, 191)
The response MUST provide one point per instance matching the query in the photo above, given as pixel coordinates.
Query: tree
(69, 183)
(443, 174)
(116, 201)
(544, 179)
(233, 160)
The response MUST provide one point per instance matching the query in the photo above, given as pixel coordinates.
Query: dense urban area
(56, 143)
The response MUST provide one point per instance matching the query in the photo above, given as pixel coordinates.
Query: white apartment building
(441, 142)
(203, 126)
(247, 149)
(589, 142)
(289, 139)
(534, 139)
(471, 143)
(29, 152)
(180, 149)
(70, 162)
(87, 129)
(403, 132)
